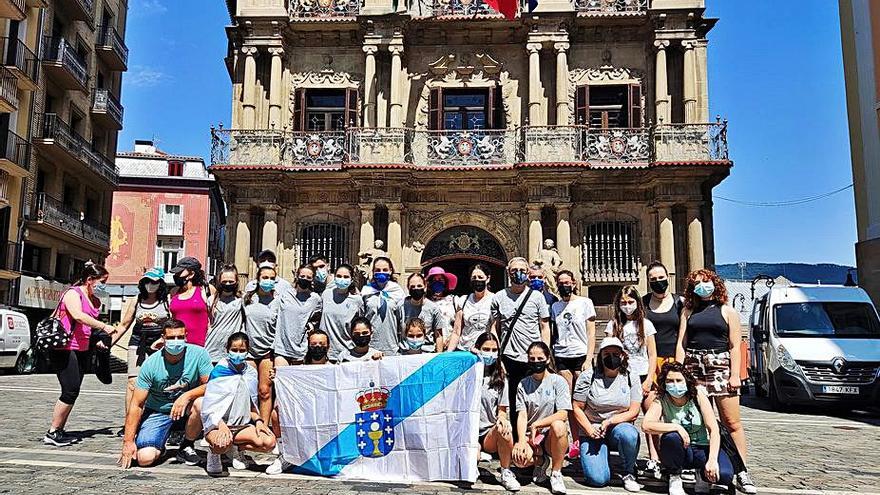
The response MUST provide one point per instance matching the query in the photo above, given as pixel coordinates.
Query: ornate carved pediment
(504, 225)
(466, 66)
(322, 79)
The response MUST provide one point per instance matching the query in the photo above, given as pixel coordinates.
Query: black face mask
(478, 285)
(537, 367)
(179, 281)
(566, 290)
(612, 361)
(361, 340)
(659, 286)
(228, 287)
(317, 352)
(304, 283)
(417, 293)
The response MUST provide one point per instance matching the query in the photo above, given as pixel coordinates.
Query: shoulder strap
(513, 321)
(60, 301)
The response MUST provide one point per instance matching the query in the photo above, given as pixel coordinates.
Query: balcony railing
(378, 146)
(49, 210)
(105, 102)
(462, 7)
(16, 150)
(611, 7)
(464, 148)
(81, 10)
(55, 129)
(170, 225)
(691, 142)
(111, 43)
(22, 61)
(324, 8)
(8, 91)
(13, 9)
(60, 52)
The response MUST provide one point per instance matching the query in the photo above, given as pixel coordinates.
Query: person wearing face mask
(226, 311)
(230, 419)
(543, 403)
(78, 312)
(340, 305)
(538, 283)
(300, 313)
(689, 434)
(267, 257)
(323, 278)
(414, 337)
(189, 302)
(416, 305)
(473, 312)
(637, 334)
(709, 346)
(168, 391)
(145, 315)
(440, 285)
(261, 314)
(606, 402)
(575, 320)
(496, 432)
(361, 334)
(383, 300)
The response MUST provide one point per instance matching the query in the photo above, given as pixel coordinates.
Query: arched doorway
(458, 249)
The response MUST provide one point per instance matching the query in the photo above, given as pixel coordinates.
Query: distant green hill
(803, 273)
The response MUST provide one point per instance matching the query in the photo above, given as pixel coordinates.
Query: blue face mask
(342, 283)
(415, 344)
(321, 274)
(267, 284)
(488, 358)
(704, 289)
(437, 286)
(175, 346)
(537, 284)
(519, 277)
(381, 278)
(236, 358)
(677, 390)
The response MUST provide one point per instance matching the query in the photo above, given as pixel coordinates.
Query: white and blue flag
(405, 418)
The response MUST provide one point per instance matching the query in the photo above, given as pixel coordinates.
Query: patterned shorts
(711, 370)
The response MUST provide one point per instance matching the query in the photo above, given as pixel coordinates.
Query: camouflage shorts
(711, 370)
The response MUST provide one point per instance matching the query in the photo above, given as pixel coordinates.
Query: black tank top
(666, 325)
(707, 329)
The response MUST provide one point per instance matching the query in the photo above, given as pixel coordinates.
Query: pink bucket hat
(451, 279)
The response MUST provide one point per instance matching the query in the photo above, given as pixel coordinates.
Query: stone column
(249, 87)
(661, 84)
(368, 233)
(395, 235)
(563, 110)
(370, 85)
(243, 243)
(275, 88)
(396, 49)
(667, 242)
(696, 256)
(535, 231)
(534, 83)
(690, 81)
(270, 228)
(567, 252)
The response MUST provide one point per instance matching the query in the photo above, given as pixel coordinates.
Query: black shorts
(575, 364)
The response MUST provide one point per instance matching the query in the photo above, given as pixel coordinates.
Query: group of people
(202, 358)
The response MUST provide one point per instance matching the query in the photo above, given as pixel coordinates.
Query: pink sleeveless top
(79, 333)
(193, 312)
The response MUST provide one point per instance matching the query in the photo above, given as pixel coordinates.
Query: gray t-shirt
(490, 399)
(605, 397)
(338, 309)
(225, 321)
(382, 308)
(297, 309)
(262, 320)
(349, 355)
(527, 328)
(540, 399)
(430, 313)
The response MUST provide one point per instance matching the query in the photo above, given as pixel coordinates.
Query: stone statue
(549, 259)
(367, 257)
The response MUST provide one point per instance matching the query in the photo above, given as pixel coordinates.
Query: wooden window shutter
(351, 107)
(435, 109)
(582, 105)
(635, 105)
(495, 117)
(299, 110)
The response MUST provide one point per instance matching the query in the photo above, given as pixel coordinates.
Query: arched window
(611, 251)
(326, 239)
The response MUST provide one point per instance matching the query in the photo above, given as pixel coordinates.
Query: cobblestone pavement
(817, 452)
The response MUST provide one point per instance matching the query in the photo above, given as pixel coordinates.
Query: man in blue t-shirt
(168, 390)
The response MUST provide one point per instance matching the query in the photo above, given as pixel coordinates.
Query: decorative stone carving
(504, 225)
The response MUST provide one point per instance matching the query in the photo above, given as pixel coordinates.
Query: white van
(815, 344)
(15, 339)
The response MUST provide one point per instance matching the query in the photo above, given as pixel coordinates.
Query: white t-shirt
(638, 355)
(571, 326)
(447, 310)
(475, 318)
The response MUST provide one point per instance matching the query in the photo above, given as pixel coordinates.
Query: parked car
(15, 340)
(814, 345)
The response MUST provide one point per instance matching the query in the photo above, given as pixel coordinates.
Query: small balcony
(599, 147)
(8, 91)
(64, 65)
(22, 62)
(111, 48)
(611, 8)
(307, 10)
(15, 154)
(691, 143)
(106, 109)
(13, 9)
(59, 142)
(170, 226)
(79, 10)
(464, 148)
(379, 146)
(52, 212)
(463, 8)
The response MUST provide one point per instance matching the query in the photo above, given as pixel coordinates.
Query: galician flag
(405, 418)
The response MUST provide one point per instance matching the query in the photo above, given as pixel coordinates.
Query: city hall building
(456, 136)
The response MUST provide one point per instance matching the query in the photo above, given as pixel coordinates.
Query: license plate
(836, 389)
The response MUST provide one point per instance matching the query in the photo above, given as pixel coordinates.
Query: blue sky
(775, 71)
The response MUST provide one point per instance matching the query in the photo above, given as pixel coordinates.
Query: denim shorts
(154, 429)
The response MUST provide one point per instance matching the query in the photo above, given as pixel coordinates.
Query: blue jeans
(674, 457)
(154, 430)
(624, 438)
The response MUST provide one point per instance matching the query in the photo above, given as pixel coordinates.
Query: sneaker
(187, 455)
(676, 487)
(574, 449)
(174, 438)
(239, 459)
(485, 456)
(214, 466)
(509, 481)
(539, 474)
(688, 475)
(652, 469)
(277, 449)
(743, 482)
(72, 438)
(701, 485)
(630, 484)
(278, 466)
(557, 483)
(204, 443)
(57, 439)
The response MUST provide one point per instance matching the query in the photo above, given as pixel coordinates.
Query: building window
(609, 106)
(325, 109)
(611, 251)
(32, 258)
(326, 239)
(465, 108)
(168, 252)
(171, 220)
(175, 168)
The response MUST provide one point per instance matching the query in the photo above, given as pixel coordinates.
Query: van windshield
(827, 319)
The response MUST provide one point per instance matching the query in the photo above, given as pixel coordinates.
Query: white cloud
(143, 8)
(140, 76)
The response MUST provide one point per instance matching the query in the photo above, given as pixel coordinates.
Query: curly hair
(691, 300)
(675, 366)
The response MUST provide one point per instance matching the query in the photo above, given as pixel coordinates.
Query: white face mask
(629, 309)
(151, 288)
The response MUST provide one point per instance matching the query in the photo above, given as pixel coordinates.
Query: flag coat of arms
(404, 418)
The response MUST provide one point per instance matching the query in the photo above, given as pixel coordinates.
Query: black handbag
(50, 333)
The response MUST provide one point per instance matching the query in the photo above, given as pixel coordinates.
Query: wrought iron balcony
(464, 148)
(106, 109)
(584, 144)
(8, 91)
(22, 62)
(378, 146)
(706, 142)
(170, 226)
(15, 154)
(64, 65)
(13, 9)
(79, 10)
(611, 7)
(462, 7)
(58, 141)
(111, 48)
(321, 9)
(312, 149)
(50, 211)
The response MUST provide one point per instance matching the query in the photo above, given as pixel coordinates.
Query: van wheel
(21, 365)
(775, 403)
